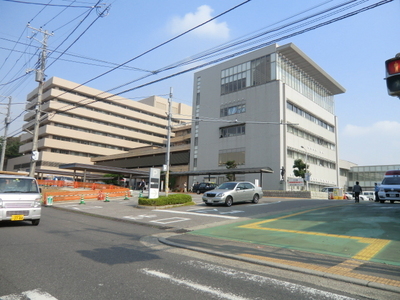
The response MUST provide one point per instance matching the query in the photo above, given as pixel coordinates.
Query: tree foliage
(231, 164)
(300, 168)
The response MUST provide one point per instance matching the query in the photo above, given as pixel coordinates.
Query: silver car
(230, 192)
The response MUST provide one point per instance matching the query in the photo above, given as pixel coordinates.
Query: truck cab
(20, 199)
(389, 190)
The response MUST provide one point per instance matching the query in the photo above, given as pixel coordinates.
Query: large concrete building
(266, 108)
(80, 123)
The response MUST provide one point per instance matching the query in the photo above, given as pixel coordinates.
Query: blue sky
(352, 51)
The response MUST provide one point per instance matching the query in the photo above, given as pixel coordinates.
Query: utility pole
(168, 154)
(6, 122)
(40, 78)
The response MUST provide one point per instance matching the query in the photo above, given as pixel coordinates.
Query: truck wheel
(198, 191)
(391, 201)
(35, 222)
(382, 201)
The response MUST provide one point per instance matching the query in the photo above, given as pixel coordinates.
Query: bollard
(82, 200)
(126, 196)
(49, 201)
(106, 200)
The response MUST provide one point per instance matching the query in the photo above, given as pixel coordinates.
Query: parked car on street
(349, 196)
(370, 195)
(203, 187)
(364, 198)
(232, 192)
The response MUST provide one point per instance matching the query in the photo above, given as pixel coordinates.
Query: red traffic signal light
(393, 75)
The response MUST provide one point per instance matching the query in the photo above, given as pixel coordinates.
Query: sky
(90, 39)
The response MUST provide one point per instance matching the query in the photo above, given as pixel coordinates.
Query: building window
(232, 110)
(237, 155)
(251, 73)
(316, 120)
(232, 131)
(300, 81)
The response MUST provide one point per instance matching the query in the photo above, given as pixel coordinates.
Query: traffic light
(393, 75)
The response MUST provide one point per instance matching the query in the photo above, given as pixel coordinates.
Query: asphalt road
(78, 256)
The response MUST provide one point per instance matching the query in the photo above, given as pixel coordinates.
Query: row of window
(112, 102)
(89, 143)
(232, 110)
(251, 73)
(309, 116)
(82, 129)
(237, 154)
(111, 114)
(75, 153)
(320, 141)
(232, 131)
(297, 79)
(311, 159)
(110, 124)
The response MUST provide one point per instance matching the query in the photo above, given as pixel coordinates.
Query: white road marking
(288, 286)
(197, 214)
(231, 212)
(170, 220)
(87, 207)
(139, 217)
(36, 294)
(193, 285)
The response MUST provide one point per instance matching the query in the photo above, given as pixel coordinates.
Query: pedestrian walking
(142, 185)
(357, 190)
(376, 192)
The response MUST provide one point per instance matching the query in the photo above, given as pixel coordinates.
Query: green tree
(12, 148)
(230, 164)
(300, 168)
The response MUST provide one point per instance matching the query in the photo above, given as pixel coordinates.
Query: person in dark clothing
(376, 192)
(142, 185)
(357, 190)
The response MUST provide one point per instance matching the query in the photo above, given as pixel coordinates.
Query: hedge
(163, 200)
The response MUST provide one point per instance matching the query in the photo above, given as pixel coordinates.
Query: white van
(20, 199)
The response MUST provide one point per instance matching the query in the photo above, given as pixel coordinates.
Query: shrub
(170, 200)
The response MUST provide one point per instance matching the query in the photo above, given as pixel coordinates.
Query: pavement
(269, 240)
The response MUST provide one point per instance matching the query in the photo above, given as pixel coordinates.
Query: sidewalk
(343, 268)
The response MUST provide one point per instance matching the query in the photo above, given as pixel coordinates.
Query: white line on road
(170, 220)
(36, 294)
(193, 285)
(288, 286)
(196, 214)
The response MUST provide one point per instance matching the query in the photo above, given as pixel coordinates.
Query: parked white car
(230, 192)
(349, 196)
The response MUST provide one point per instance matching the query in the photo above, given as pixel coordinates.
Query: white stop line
(36, 294)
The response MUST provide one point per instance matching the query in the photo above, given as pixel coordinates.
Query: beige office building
(79, 123)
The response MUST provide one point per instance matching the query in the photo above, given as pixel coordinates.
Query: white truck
(389, 190)
(20, 199)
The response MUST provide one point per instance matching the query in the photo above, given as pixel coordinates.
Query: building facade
(80, 123)
(267, 108)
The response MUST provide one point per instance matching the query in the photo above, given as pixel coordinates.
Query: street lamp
(306, 175)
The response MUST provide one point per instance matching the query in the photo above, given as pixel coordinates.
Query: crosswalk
(262, 282)
(36, 294)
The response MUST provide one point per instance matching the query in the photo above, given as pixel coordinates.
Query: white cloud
(382, 128)
(376, 144)
(212, 29)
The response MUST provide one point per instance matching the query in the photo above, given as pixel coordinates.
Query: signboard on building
(154, 183)
(295, 181)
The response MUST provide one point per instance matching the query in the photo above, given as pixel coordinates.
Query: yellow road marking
(344, 269)
(375, 245)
